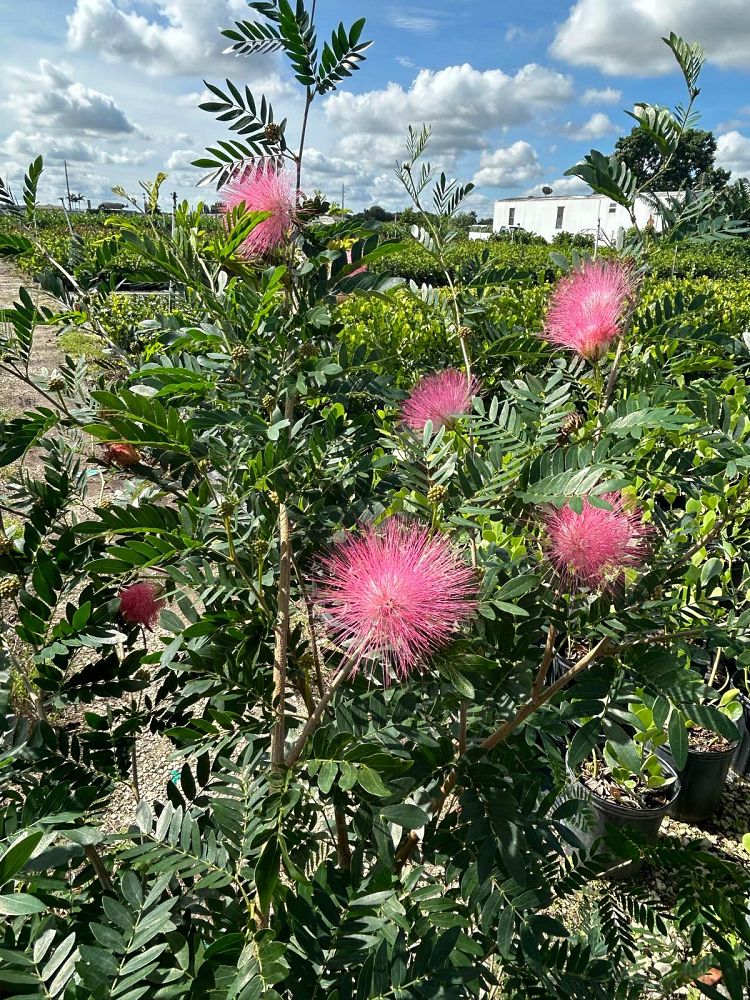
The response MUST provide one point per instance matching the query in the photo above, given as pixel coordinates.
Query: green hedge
(93, 229)
(727, 259)
(409, 331)
(716, 260)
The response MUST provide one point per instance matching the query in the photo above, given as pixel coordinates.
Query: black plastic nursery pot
(702, 781)
(645, 823)
(741, 762)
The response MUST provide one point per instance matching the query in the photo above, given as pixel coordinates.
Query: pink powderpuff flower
(396, 593)
(440, 398)
(140, 603)
(262, 189)
(592, 549)
(588, 307)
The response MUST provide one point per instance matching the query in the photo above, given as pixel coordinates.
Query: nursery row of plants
(74, 241)
(406, 329)
(443, 621)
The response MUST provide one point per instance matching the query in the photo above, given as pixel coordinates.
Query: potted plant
(702, 749)
(628, 787)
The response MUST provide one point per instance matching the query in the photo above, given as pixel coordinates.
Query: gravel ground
(154, 752)
(15, 397)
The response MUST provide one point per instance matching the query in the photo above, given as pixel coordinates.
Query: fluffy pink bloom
(592, 548)
(440, 398)
(262, 189)
(396, 593)
(140, 603)
(588, 307)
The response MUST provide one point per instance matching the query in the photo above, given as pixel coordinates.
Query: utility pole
(343, 195)
(67, 187)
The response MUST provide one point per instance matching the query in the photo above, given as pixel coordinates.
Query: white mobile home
(593, 214)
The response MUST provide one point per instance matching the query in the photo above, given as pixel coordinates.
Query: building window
(511, 216)
(612, 208)
(559, 219)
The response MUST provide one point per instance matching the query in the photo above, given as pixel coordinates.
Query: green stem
(234, 559)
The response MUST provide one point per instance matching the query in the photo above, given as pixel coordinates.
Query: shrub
(382, 656)
(122, 318)
(405, 330)
(574, 241)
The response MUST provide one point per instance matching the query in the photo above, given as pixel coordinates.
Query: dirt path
(15, 397)
(153, 750)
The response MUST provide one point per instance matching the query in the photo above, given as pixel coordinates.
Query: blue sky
(515, 92)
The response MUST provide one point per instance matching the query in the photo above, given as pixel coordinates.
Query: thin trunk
(134, 770)
(312, 723)
(98, 865)
(500, 735)
(282, 623)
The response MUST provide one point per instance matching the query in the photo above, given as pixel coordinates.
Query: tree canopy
(693, 164)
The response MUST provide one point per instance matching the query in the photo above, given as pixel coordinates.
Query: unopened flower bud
(258, 547)
(464, 332)
(56, 383)
(122, 455)
(5, 544)
(240, 354)
(268, 402)
(572, 423)
(9, 587)
(273, 496)
(273, 133)
(437, 495)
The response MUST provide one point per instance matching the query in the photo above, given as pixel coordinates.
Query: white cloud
(364, 185)
(596, 127)
(82, 177)
(28, 145)
(625, 37)
(51, 99)
(182, 159)
(53, 114)
(563, 185)
(509, 167)
(462, 104)
(194, 98)
(514, 32)
(183, 38)
(733, 153)
(420, 20)
(406, 62)
(327, 173)
(601, 95)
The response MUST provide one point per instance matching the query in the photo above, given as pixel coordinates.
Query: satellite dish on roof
(546, 190)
